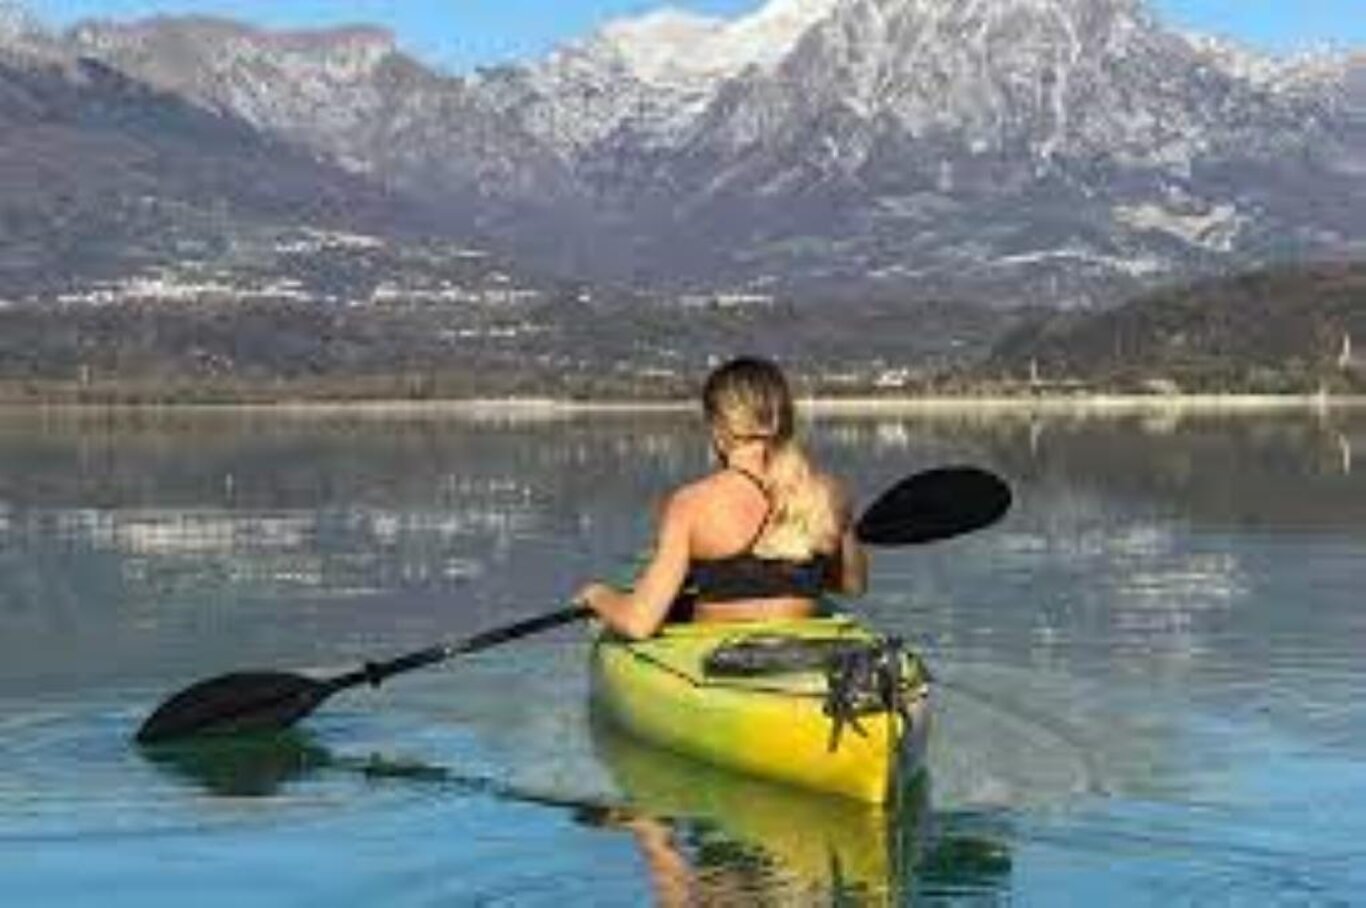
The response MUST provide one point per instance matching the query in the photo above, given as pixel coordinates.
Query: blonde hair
(748, 399)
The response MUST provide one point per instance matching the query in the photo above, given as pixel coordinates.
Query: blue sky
(463, 33)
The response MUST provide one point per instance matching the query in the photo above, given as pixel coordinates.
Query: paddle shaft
(375, 673)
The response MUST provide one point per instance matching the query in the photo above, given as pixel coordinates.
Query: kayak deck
(771, 725)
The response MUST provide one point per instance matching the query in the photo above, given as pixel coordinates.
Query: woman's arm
(639, 613)
(851, 570)
(849, 575)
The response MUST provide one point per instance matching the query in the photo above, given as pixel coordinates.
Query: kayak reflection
(710, 835)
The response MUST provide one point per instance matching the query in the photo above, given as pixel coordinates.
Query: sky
(462, 34)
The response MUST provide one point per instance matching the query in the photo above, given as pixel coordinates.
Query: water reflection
(707, 836)
(710, 836)
(122, 536)
(242, 766)
(265, 764)
(778, 837)
(119, 537)
(1160, 644)
(1298, 462)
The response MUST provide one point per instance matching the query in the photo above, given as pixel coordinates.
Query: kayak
(822, 722)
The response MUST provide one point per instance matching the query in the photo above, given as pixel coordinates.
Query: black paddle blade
(933, 505)
(242, 701)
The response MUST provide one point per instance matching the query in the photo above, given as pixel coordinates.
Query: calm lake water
(1153, 688)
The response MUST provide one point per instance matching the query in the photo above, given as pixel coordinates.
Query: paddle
(934, 505)
(926, 507)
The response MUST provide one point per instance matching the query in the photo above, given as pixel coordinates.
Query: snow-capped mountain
(1058, 148)
(669, 47)
(347, 93)
(1060, 151)
(1058, 139)
(286, 82)
(22, 37)
(651, 75)
(15, 22)
(104, 177)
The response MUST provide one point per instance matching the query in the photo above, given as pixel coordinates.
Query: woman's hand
(639, 612)
(592, 595)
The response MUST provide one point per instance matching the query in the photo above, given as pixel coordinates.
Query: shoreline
(1097, 404)
(533, 408)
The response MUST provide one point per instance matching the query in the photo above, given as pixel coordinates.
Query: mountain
(168, 233)
(1059, 152)
(17, 26)
(350, 95)
(644, 81)
(1295, 328)
(1020, 151)
(102, 175)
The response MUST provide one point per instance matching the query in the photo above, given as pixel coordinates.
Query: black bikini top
(749, 576)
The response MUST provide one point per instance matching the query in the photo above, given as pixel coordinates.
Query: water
(1151, 678)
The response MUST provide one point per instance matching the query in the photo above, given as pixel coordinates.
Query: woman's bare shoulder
(697, 502)
(685, 499)
(701, 488)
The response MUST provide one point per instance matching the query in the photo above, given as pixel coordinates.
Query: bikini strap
(758, 483)
(768, 514)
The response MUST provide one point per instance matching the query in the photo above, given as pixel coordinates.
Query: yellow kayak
(781, 723)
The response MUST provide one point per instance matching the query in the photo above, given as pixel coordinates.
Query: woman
(760, 538)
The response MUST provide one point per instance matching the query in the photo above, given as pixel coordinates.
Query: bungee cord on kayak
(862, 677)
(878, 677)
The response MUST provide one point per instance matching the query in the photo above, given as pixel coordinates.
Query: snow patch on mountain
(255, 73)
(664, 46)
(649, 77)
(1306, 72)
(22, 34)
(16, 20)
(1216, 228)
(294, 83)
(673, 48)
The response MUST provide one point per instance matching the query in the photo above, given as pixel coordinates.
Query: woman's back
(730, 510)
(730, 576)
(762, 537)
